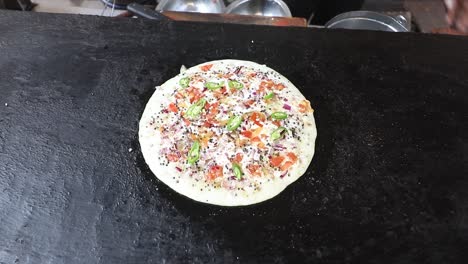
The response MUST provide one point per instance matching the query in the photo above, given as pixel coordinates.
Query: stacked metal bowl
(272, 8)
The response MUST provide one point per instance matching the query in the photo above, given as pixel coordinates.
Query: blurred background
(415, 15)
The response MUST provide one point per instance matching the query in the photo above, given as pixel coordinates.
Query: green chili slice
(184, 82)
(236, 168)
(194, 153)
(278, 133)
(269, 96)
(233, 123)
(194, 110)
(213, 85)
(235, 84)
(279, 116)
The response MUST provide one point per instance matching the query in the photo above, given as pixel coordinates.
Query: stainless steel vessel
(200, 6)
(271, 8)
(368, 20)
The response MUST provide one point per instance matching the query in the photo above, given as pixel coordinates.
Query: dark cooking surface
(388, 183)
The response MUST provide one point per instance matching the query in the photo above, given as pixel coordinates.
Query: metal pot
(368, 20)
(271, 8)
(200, 6)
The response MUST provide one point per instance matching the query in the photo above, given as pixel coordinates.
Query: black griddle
(388, 182)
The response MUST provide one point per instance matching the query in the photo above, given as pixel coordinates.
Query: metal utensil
(274, 8)
(200, 6)
(145, 12)
(368, 20)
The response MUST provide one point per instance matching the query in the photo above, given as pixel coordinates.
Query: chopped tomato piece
(179, 95)
(194, 94)
(286, 165)
(256, 139)
(249, 102)
(173, 108)
(215, 172)
(213, 122)
(186, 121)
(220, 93)
(261, 145)
(213, 110)
(292, 156)
(238, 157)
(206, 138)
(223, 90)
(206, 67)
(247, 134)
(270, 84)
(279, 86)
(195, 97)
(265, 85)
(304, 106)
(207, 124)
(277, 123)
(172, 157)
(276, 161)
(257, 132)
(257, 118)
(254, 169)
